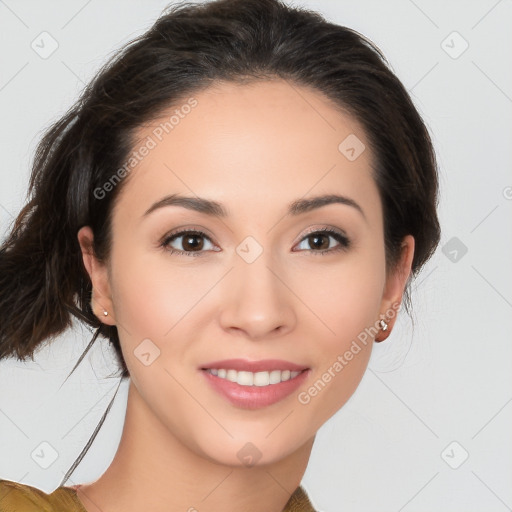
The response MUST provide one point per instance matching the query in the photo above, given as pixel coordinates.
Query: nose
(257, 300)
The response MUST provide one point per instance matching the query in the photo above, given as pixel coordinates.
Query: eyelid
(188, 229)
(322, 228)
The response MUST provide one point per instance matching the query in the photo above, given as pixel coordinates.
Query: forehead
(262, 143)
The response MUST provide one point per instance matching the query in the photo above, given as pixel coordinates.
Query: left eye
(326, 234)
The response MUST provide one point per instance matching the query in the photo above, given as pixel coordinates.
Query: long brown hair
(43, 282)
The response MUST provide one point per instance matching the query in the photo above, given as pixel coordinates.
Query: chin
(252, 450)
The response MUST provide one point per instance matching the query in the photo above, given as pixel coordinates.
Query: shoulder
(16, 497)
(298, 502)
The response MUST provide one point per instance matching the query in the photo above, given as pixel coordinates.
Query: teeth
(253, 379)
(275, 376)
(244, 378)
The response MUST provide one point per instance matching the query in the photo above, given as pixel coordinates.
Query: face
(269, 279)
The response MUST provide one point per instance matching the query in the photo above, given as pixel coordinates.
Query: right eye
(191, 242)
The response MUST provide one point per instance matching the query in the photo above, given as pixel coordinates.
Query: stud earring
(105, 313)
(383, 325)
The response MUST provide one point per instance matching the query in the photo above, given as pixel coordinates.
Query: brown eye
(192, 242)
(320, 241)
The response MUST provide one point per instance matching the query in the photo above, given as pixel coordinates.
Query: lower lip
(255, 397)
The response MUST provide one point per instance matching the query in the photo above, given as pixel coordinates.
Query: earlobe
(101, 299)
(394, 290)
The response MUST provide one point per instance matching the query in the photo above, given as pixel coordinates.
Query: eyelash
(338, 236)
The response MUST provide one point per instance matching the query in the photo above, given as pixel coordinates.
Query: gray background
(431, 397)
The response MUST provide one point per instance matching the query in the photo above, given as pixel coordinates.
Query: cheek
(347, 304)
(334, 383)
(342, 348)
(152, 293)
(342, 299)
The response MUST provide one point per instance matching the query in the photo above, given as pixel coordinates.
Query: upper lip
(254, 366)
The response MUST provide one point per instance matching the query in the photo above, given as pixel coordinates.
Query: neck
(153, 470)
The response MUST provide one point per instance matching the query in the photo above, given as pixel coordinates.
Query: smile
(244, 378)
(254, 390)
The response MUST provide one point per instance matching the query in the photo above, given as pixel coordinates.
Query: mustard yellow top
(16, 497)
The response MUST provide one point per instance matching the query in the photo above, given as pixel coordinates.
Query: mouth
(244, 378)
(254, 384)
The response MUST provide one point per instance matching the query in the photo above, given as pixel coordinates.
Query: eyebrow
(215, 209)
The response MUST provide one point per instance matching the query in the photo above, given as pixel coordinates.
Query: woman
(180, 209)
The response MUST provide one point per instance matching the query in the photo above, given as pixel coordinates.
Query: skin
(254, 148)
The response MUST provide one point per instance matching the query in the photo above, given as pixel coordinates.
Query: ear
(395, 286)
(101, 301)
